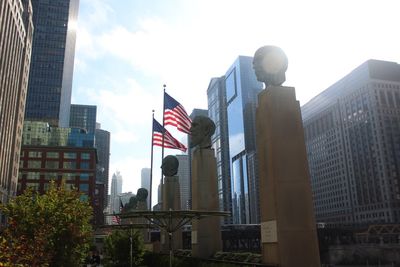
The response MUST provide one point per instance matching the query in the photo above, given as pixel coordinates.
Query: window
(230, 83)
(35, 154)
(33, 176)
(34, 186)
(85, 155)
(34, 163)
(68, 176)
(52, 155)
(52, 164)
(84, 187)
(69, 165)
(84, 176)
(84, 165)
(70, 155)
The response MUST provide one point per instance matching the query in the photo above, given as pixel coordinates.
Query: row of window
(56, 155)
(55, 164)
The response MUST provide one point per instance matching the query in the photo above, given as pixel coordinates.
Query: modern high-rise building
(184, 180)
(217, 111)
(83, 116)
(145, 183)
(53, 51)
(102, 144)
(16, 29)
(116, 190)
(242, 89)
(352, 132)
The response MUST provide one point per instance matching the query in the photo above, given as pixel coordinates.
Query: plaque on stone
(269, 232)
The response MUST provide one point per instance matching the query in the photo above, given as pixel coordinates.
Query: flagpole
(163, 133)
(151, 159)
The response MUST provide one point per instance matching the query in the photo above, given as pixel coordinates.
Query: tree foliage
(117, 248)
(46, 230)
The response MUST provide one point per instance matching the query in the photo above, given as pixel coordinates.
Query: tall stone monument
(288, 230)
(171, 198)
(206, 233)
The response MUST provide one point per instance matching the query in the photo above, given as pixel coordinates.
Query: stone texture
(172, 201)
(285, 189)
(206, 233)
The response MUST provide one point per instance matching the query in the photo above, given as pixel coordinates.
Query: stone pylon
(206, 233)
(288, 229)
(172, 201)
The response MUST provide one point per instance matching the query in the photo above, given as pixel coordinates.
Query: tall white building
(145, 183)
(116, 190)
(184, 180)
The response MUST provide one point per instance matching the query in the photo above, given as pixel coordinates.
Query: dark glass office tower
(242, 88)
(216, 95)
(84, 117)
(16, 30)
(102, 144)
(53, 49)
(352, 132)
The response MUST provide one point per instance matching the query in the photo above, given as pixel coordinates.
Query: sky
(127, 50)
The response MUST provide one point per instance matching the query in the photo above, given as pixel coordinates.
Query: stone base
(171, 201)
(285, 189)
(206, 233)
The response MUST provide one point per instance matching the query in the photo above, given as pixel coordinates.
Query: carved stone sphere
(141, 194)
(170, 165)
(270, 64)
(201, 131)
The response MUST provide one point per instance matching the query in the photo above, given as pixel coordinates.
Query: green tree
(46, 230)
(117, 248)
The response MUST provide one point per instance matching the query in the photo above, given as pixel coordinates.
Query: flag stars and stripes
(175, 114)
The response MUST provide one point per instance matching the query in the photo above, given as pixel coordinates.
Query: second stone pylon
(206, 233)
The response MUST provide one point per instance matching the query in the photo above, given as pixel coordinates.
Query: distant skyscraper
(352, 132)
(116, 190)
(184, 180)
(102, 144)
(145, 183)
(83, 116)
(217, 111)
(53, 49)
(15, 53)
(242, 88)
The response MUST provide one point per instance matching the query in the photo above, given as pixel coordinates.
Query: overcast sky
(127, 49)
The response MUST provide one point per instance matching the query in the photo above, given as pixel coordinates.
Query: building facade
(53, 51)
(352, 132)
(145, 183)
(102, 144)
(217, 111)
(184, 180)
(55, 154)
(16, 29)
(83, 116)
(116, 190)
(242, 88)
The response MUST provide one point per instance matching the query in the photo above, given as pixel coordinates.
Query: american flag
(175, 114)
(116, 219)
(169, 140)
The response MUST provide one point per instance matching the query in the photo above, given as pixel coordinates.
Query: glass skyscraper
(242, 88)
(102, 144)
(216, 95)
(53, 50)
(83, 116)
(352, 132)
